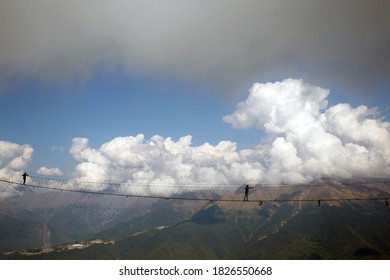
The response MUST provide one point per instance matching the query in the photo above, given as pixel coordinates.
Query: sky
(186, 91)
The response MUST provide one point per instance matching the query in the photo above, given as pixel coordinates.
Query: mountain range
(57, 225)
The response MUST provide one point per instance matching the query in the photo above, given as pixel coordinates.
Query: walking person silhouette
(247, 188)
(24, 177)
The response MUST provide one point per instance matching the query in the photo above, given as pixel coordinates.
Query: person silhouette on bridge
(247, 188)
(24, 177)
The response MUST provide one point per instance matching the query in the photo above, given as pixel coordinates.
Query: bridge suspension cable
(320, 191)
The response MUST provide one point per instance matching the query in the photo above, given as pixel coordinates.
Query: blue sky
(111, 105)
(102, 71)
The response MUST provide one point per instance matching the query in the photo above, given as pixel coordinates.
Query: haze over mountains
(129, 228)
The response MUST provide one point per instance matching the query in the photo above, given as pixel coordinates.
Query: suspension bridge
(324, 190)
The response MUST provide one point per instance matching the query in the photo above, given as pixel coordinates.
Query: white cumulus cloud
(305, 140)
(155, 160)
(46, 171)
(14, 158)
(279, 106)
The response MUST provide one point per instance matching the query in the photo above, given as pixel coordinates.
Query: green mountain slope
(37, 220)
(285, 231)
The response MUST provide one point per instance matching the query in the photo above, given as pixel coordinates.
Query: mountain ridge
(170, 229)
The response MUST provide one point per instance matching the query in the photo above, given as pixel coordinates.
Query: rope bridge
(324, 190)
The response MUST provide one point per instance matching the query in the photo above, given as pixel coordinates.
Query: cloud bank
(305, 140)
(222, 43)
(308, 140)
(14, 156)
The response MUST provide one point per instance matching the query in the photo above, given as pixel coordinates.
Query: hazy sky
(183, 91)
